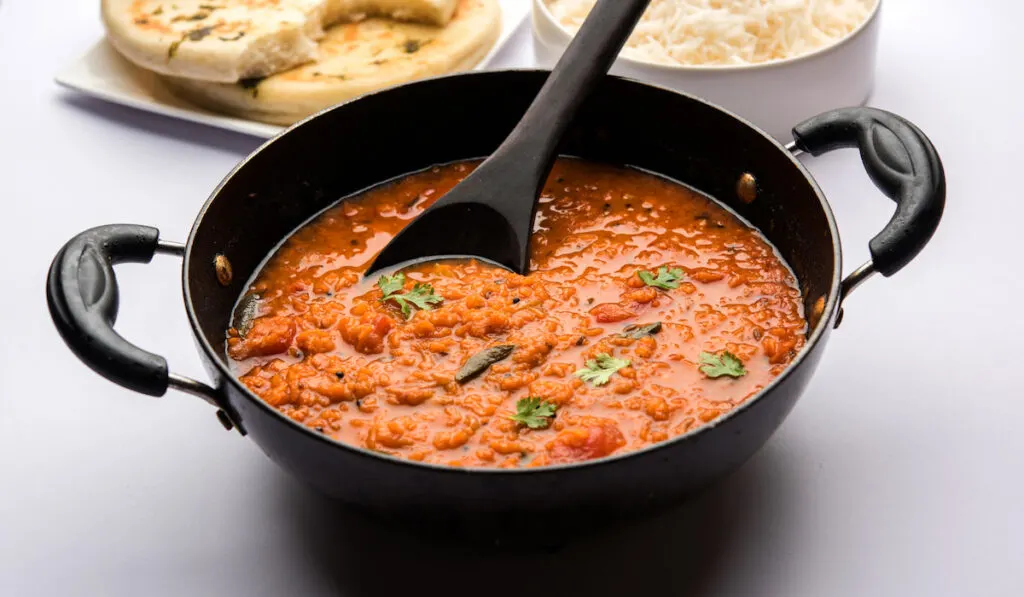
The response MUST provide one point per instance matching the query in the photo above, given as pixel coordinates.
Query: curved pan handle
(82, 293)
(902, 162)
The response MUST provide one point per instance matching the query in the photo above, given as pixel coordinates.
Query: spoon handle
(491, 212)
(584, 63)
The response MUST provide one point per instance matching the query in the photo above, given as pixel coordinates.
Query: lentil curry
(649, 310)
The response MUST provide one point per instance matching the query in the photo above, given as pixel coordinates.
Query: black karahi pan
(390, 133)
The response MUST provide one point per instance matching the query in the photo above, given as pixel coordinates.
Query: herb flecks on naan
(430, 12)
(231, 40)
(354, 59)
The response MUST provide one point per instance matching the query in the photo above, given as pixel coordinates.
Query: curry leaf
(479, 362)
(727, 363)
(636, 331)
(600, 369)
(534, 412)
(667, 279)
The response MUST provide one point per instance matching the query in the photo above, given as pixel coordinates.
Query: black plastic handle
(901, 161)
(82, 293)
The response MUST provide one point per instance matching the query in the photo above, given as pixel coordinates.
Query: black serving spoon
(490, 214)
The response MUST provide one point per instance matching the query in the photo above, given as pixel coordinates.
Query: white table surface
(901, 471)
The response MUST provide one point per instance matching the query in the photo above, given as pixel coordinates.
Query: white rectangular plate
(102, 72)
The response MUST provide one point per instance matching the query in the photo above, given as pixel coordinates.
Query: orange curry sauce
(327, 351)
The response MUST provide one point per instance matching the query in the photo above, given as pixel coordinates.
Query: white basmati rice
(729, 32)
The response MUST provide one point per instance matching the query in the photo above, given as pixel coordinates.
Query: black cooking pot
(355, 145)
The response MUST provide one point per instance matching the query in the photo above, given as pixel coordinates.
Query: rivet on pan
(817, 311)
(746, 187)
(222, 266)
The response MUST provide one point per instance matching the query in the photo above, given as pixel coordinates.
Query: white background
(901, 472)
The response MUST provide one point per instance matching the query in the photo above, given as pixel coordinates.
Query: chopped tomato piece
(611, 312)
(267, 336)
(587, 442)
(382, 325)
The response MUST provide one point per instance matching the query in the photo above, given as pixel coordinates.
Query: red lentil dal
(327, 351)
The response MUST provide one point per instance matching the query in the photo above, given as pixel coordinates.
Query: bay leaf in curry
(480, 362)
(636, 331)
(246, 310)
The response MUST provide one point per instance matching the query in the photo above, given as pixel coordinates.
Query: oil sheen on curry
(649, 310)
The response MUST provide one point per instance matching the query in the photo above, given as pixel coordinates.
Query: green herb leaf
(599, 370)
(391, 284)
(667, 279)
(727, 363)
(421, 296)
(534, 412)
(199, 16)
(173, 48)
(200, 34)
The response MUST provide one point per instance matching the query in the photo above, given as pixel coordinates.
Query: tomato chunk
(367, 333)
(267, 336)
(586, 442)
(611, 312)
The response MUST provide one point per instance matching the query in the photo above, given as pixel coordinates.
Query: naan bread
(355, 59)
(215, 40)
(431, 12)
(230, 40)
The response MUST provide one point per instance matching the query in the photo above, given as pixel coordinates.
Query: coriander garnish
(421, 296)
(725, 364)
(534, 412)
(600, 369)
(391, 284)
(667, 279)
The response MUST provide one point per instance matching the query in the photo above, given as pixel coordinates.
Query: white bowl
(773, 95)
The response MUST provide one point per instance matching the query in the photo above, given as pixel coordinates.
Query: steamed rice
(729, 32)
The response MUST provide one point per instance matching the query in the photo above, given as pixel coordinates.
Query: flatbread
(215, 40)
(430, 12)
(355, 59)
(230, 40)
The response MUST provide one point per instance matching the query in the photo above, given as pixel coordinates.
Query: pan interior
(377, 138)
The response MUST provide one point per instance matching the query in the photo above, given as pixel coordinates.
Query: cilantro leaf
(391, 284)
(534, 412)
(421, 296)
(727, 363)
(599, 370)
(667, 279)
